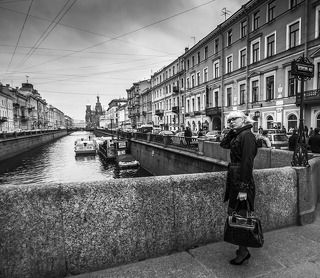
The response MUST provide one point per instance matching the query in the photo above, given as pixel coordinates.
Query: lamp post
(303, 70)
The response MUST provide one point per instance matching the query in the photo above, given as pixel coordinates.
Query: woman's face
(236, 122)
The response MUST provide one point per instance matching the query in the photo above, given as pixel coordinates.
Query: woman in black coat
(240, 184)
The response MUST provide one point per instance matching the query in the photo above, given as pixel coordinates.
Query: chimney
(186, 49)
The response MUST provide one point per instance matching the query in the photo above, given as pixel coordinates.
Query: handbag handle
(247, 205)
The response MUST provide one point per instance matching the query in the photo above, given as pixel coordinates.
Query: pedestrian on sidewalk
(240, 184)
(314, 141)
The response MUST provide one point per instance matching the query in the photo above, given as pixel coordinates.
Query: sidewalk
(290, 252)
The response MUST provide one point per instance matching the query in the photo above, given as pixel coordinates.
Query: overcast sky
(74, 50)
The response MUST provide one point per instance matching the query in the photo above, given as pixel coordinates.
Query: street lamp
(303, 70)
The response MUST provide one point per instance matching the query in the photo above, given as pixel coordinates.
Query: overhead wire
(87, 31)
(48, 30)
(21, 31)
(122, 35)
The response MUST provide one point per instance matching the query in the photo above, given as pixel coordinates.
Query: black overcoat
(243, 149)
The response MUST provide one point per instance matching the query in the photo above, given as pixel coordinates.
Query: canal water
(56, 162)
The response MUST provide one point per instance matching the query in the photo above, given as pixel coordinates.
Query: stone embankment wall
(60, 229)
(165, 160)
(12, 146)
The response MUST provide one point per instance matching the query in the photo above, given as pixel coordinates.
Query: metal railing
(188, 143)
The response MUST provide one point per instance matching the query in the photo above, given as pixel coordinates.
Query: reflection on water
(57, 162)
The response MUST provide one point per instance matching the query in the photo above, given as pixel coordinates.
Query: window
(188, 64)
(255, 91)
(243, 28)
(292, 121)
(229, 37)
(192, 104)
(269, 122)
(216, 69)
(271, 10)
(216, 46)
(242, 93)
(188, 105)
(318, 76)
(270, 45)
(242, 58)
(182, 85)
(192, 61)
(216, 98)
(229, 64)
(198, 57)
(205, 75)
(294, 3)
(192, 81)
(270, 88)
(188, 83)
(173, 68)
(198, 78)
(293, 34)
(255, 52)
(317, 22)
(292, 85)
(256, 18)
(318, 121)
(198, 103)
(206, 52)
(229, 97)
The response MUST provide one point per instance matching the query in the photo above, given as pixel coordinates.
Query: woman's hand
(242, 196)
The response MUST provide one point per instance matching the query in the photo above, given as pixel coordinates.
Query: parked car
(213, 135)
(279, 140)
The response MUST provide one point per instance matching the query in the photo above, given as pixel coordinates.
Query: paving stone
(290, 249)
(174, 266)
(216, 258)
(305, 270)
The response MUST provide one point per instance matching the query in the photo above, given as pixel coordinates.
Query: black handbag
(243, 231)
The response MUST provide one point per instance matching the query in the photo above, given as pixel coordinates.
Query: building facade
(135, 102)
(245, 64)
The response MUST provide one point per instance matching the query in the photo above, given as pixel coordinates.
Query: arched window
(318, 120)
(292, 122)
(269, 122)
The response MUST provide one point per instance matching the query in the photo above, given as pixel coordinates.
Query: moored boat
(105, 147)
(85, 147)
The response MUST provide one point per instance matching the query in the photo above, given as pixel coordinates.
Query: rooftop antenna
(194, 39)
(225, 12)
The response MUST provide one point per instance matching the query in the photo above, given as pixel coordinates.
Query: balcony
(213, 111)
(16, 105)
(312, 96)
(196, 113)
(175, 109)
(187, 114)
(175, 89)
(191, 114)
(3, 119)
(159, 112)
(256, 104)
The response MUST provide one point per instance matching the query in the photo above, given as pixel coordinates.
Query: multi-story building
(135, 101)
(146, 107)
(245, 64)
(167, 96)
(6, 109)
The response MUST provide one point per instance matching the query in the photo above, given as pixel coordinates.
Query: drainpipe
(222, 78)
